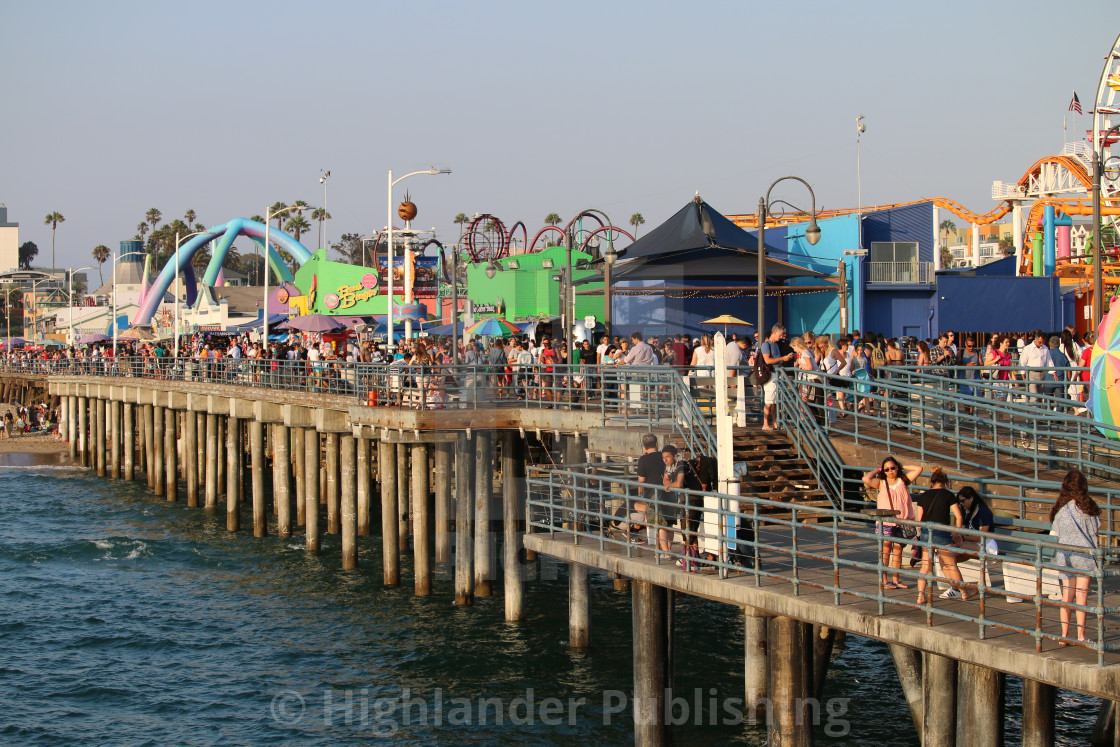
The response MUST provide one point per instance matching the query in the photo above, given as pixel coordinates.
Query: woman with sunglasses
(892, 483)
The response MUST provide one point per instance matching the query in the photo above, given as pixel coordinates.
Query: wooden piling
(790, 719)
(298, 438)
(364, 488)
(212, 457)
(908, 664)
(71, 425)
(390, 535)
(233, 486)
(404, 524)
(348, 502)
(311, 488)
(980, 703)
(128, 416)
(115, 439)
(421, 539)
(444, 510)
(756, 663)
(83, 428)
(190, 457)
(98, 434)
(939, 701)
(483, 537)
(170, 456)
(579, 606)
(331, 447)
(282, 479)
(651, 671)
(464, 510)
(159, 476)
(256, 455)
(513, 505)
(1038, 714)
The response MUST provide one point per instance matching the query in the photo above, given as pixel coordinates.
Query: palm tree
(320, 214)
(189, 216)
(257, 218)
(153, 216)
(142, 231)
(52, 220)
(636, 220)
(296, 225)
(276, 208)
(947, 226)
(552, 219)
(462, 220)
(101, 254)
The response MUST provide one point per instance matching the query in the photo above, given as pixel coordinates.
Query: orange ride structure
(1043, 202)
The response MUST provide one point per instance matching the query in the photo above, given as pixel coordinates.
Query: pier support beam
(282, 479)
(1038, 714)
(129, 443)
(298, 438)
(233, 471)
(513, 506)
(256, 454)
(72, 425)
(115, 439)
(651, 663)
(444, 510)
(311, 488)
(579, 606)
(170, 456)
(99, 435)
(756, 663)
(908, 664)
(483, 538)
(390, 517)
(199, 451)
(790, 722)
(190, 457)
(348, 504)
(364, 488)
(464, 510)
(404, 517)
(939, 701)
(212, 457)
(421, 522)
(83, 439)
(330, 445)
(159, 477)
(223, 457)
(980, 704)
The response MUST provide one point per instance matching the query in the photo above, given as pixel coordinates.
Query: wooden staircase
(775, 472)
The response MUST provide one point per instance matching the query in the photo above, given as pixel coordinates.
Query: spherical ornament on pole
(407, 210)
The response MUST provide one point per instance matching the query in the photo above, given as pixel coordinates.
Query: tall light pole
(1098, 255)
(8, 311)
(392, 183)
(322, 235)
(70, 298)
(860, 129)
(268, 216)
(178, 283)
(812, 235)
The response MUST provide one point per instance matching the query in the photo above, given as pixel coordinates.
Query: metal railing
(900, 272)
(625, 396)
(809, 547)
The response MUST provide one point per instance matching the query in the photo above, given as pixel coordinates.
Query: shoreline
(29, 444)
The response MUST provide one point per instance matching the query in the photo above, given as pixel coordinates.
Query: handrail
(826, 549)
(811, 442)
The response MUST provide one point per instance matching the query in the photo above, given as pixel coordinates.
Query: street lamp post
(322, 235)
(70, 298)
(8, 313)
(452, 266)
(178, 284)
(1098, 279)
(812, 235)
(268, 216)
(392, 183)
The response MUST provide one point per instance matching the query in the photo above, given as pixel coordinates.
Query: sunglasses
(890, 469)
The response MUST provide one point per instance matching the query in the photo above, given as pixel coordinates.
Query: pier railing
(790, 548)
(637, 397)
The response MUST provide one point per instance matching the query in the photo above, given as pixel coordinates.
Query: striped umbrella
(1104, 374)
(494, 326)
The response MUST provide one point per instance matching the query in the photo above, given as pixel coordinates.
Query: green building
(528, 286)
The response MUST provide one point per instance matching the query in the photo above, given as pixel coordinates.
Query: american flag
(1075, 104)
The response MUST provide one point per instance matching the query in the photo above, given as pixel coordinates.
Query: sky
(112, 108)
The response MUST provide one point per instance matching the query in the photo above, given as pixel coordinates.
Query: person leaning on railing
(892, 485)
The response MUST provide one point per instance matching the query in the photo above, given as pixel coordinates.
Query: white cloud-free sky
(113, 107)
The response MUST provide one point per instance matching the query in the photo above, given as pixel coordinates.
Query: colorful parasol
(494, 326)
(1104, 374)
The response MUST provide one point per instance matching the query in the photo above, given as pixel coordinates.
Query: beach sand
(27, 444)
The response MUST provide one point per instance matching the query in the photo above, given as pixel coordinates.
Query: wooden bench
(1017, 540)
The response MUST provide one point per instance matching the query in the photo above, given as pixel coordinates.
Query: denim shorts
(940, 538)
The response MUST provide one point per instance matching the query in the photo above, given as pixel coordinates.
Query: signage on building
(425, 279)
(347, 296)
(486, 308)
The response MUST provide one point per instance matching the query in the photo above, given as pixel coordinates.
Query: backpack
(760, 371)
(877, 358)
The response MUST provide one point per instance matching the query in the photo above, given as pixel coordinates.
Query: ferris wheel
(1106, 113)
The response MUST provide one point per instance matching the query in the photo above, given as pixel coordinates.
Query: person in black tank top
(938, 505)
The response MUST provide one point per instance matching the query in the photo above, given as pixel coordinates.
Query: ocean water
(128, 620)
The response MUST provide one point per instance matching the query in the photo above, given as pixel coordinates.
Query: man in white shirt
(1035, 359)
